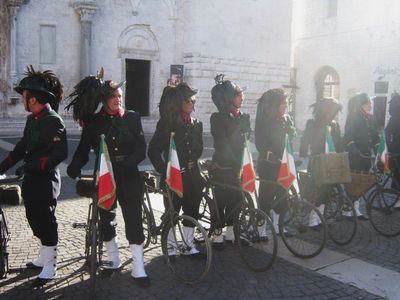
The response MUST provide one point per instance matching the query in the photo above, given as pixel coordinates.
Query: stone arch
(138, 39)
(327, 83)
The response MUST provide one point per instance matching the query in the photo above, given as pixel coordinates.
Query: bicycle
(5, 235)
(175, 243)
(293, 223)
(253, 229)
(382, 201)
(93, 240)
(338, 212)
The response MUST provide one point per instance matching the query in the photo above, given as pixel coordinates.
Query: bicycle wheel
(258, 242)
(383, 213)
(146, 225)
(294, 229)
(178, 242)
(340, 217)
(3, 248)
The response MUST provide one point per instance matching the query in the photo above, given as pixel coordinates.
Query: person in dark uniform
(127, 148)
(360, 137)
(43, 147)
(176, 107)
(229, 128)
(392, 134)
(272, 125)
(314, 138)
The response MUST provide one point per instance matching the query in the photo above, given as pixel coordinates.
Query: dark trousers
(40, 192)
(227, 198)
(190, 202)
(359, 164)
(129, 197)
(270, 192)
(395, 166)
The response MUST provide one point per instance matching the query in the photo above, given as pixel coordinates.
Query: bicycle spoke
(187, 249)
(384, 212)
(257, 239)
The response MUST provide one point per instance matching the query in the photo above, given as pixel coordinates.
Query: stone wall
(249, 41)
(4, 57)
(362, 44)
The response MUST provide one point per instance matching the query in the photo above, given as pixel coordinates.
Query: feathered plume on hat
(46, 83)
(87, 96)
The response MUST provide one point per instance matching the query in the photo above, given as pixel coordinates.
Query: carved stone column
(13, 8)
(86, 10)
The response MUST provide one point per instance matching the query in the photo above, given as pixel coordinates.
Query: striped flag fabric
(106, 187)
(174, 176)
(383, 153)
(247, 173)
(287, 171)
(329, 145)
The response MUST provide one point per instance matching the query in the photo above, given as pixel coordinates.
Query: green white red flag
(247, 174)
(329, 145)
(174, 176)
(287, 171)
(383, 153)
(106, 187)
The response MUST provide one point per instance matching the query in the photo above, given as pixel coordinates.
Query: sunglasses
(187, 101)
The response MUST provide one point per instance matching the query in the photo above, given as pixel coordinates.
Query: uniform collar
(120, 112)
(235, 112)
(46, 108)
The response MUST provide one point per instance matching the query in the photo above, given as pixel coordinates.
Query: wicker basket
(360, 183)
(10, 194)
(330, 168)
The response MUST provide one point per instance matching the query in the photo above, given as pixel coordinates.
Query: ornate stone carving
(86, 9)
(138, 38)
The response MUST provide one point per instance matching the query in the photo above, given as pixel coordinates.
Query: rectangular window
(332, 8)
(47, 44)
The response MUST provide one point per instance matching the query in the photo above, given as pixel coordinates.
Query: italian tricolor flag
(329, 145)
(287, 170)
(174, 176)
(383, 153)
(105, 178)
(247, 174)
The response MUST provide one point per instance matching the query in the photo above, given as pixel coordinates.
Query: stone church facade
(145, 42)
(342, 47)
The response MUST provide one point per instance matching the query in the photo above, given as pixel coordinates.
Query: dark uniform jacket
(360, 137)
(314, 137)
(188, 140)
(392, 134)
(361, 130)
(43, 145)
(270, 136)
(123, 136)
(229, 134)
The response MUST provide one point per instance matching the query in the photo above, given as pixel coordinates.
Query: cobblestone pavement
(228, 278)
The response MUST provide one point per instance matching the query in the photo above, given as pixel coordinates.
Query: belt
(119, 158)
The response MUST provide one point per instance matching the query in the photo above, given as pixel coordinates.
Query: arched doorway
(138, 49)
(327, 83)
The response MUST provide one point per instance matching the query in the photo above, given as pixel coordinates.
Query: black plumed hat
(46, 82)
(87, 96)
